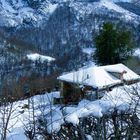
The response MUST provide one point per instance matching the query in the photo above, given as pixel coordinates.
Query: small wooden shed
(94, 81)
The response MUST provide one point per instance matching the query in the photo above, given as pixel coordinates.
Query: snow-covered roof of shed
(42, 58)
(99, 77)
(120, 68)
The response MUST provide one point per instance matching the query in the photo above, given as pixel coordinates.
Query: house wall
(71, 92)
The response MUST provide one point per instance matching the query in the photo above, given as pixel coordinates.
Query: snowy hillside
(17, 12)
(103, 7)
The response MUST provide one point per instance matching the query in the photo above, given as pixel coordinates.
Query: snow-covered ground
(119, 98)
(21, 115)
(41, 58)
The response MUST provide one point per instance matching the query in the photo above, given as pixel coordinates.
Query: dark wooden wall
(71, 92)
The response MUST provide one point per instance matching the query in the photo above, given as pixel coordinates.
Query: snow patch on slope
(48, 8)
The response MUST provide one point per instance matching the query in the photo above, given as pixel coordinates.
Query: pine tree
(113, 44)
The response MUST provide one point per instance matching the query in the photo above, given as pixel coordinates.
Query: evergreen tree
(113, 44)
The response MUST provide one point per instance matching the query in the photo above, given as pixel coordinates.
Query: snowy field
(56, 115)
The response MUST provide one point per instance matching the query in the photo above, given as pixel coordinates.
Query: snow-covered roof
(99, 76)
(42, 58)
(120, 68)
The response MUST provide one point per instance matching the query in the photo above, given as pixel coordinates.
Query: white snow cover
(99, 77)
(137, 52)
(56, 115)
(52, 7)
(118, 0)
(89, 137)
(88, 51)
(55, 120)
(43, 104)
(120, 98)
(42, 58)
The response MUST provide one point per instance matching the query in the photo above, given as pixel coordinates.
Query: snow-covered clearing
(119, 98)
